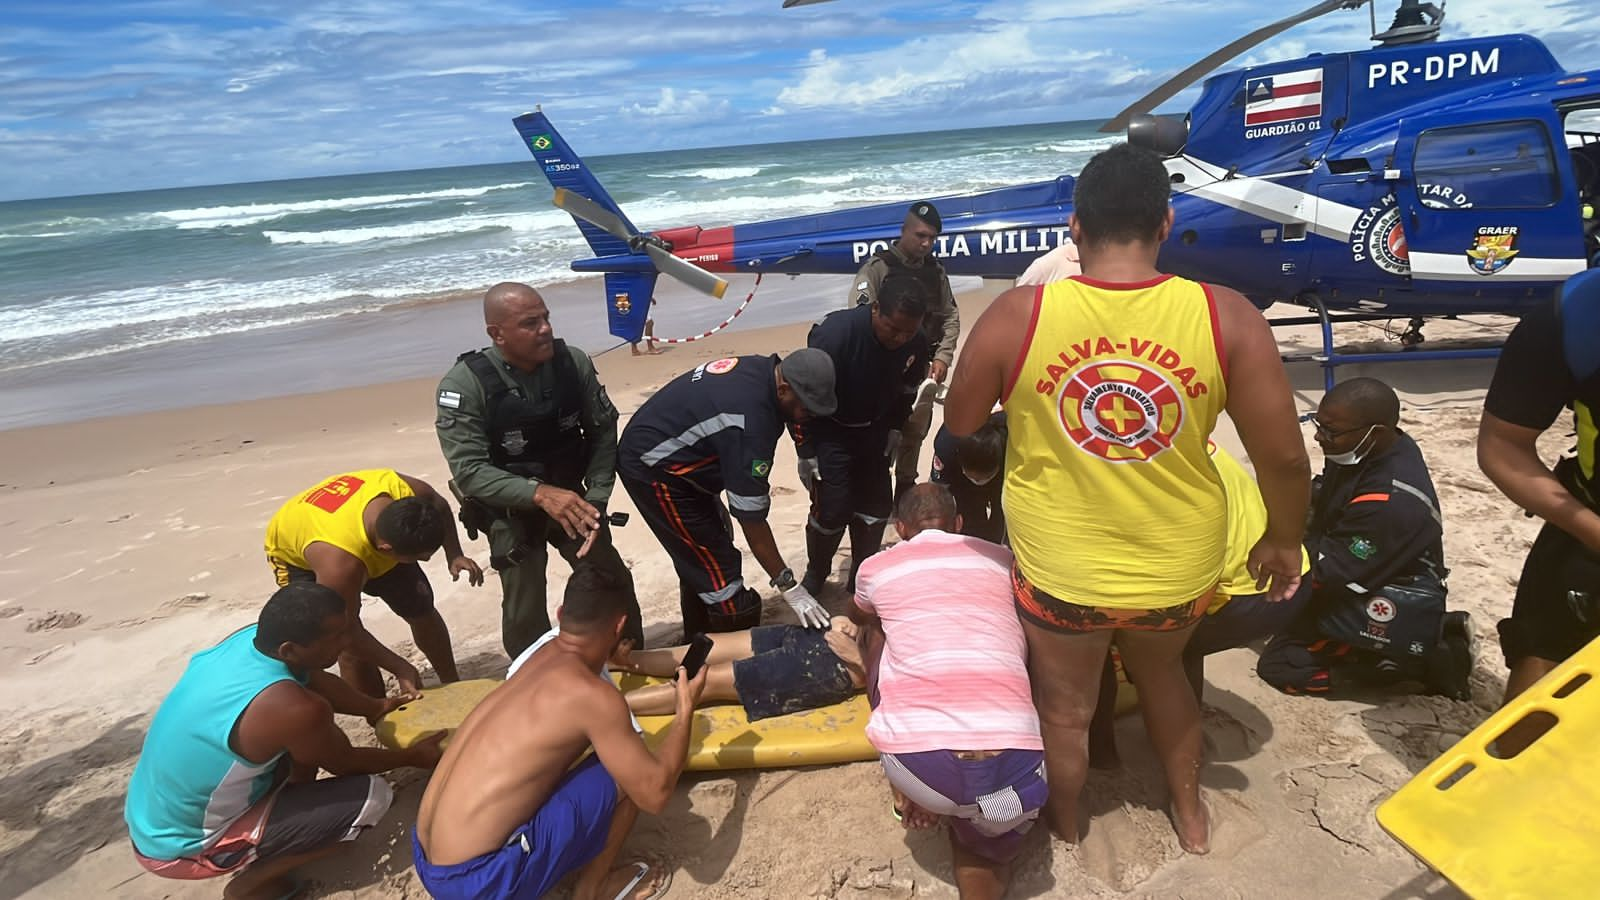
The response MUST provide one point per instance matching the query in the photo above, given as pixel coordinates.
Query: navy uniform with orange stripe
(1373, 524)
(710, 431)
(880, 351)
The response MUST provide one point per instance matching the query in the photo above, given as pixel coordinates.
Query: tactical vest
(1579, 314)
(548, 445)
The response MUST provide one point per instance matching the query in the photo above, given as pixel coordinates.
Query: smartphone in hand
(699, 649)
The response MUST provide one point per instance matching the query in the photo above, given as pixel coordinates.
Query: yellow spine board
(722, 736)
(1525, 827)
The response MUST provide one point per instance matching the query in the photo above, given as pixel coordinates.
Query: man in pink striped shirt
(947, 664)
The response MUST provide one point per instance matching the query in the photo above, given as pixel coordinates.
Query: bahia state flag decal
(1283, 97)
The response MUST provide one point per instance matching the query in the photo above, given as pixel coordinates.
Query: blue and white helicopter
(1419, 178)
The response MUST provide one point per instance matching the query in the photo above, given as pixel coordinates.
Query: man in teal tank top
(226, 783)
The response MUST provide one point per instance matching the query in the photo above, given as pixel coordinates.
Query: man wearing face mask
(1374, 523)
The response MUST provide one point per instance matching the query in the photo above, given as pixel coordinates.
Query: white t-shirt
(605, 671)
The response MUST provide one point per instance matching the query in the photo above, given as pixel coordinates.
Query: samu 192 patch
(1361, 548)
(761, 468)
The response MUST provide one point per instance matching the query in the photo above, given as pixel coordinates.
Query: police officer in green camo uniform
(531, 439)
(911, 255)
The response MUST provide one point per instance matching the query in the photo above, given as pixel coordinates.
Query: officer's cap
(924, 210)
(809, 373)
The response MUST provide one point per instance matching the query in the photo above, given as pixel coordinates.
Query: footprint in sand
(56, 620)
(10, 612)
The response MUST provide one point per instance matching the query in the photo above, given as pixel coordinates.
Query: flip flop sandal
(644, 869)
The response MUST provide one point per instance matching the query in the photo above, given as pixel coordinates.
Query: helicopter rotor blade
(791, 4)
(681, 269)
(1200, 69)
(686, 272)
(592, 212)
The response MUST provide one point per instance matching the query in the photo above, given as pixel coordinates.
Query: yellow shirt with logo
(1110, 496)
(331, 513)
(1247, 522)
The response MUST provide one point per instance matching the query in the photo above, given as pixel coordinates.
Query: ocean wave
(210, 306)
(424, 230)
(845, 178)
(254, 213)
(41, 234)
(714, 173)
(1079, 145)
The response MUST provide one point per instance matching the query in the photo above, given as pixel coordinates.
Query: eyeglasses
(1326, 433)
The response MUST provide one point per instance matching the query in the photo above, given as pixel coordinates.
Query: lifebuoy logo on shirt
(1120, 411)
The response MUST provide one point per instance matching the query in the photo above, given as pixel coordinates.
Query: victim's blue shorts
(566, 833)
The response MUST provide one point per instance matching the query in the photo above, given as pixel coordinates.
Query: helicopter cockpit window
(1505, 165)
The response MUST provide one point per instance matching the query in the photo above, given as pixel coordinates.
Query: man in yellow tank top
(366, 532)
(1112, 382)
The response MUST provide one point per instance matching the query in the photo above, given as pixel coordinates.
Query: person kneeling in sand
(226, 782)
(507, 814)
(947, 661)
(771, 670)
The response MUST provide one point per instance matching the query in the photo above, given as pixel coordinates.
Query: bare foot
(1194, 832)
(654, 883)
(912, 816)
(636, 352)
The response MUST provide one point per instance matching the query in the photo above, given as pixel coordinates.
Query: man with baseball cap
(911, 256)
(710, 431)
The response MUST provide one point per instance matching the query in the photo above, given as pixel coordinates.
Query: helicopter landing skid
(1330, 358)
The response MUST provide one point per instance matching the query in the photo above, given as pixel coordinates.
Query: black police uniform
(1372, 525)
(982, 514)
(1551, 361)
(851, 447)
(710, 430)
(504, 432)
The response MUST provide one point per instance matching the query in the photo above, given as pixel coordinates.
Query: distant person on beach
(365, 533)
(770, 670)
(953, 714)
(880, 352)
(1112, 382)
(649, 336)
(508, 815)
(1550, 362)
(1054, 265)
(713, 431)
(226, 783)
(970, 468)
(911, 255)
(531, 440)
(1376, 537)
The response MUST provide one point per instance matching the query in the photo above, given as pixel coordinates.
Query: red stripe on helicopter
(709, 248)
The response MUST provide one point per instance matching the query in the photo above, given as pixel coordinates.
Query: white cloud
(692, 104)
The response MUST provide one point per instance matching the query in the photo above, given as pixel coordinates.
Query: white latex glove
(892, 444)
(809, 473)
(806, 607)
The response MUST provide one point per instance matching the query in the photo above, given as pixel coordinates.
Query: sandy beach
(135, 541)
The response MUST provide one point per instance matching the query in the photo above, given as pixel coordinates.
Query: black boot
(820, 549)
(865, 539)
(1450, 661)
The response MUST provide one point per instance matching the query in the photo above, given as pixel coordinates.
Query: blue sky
(109, 95)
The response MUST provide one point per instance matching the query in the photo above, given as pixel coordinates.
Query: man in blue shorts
(770, 670)
(508, 815)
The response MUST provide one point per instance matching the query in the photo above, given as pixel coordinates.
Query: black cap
(924, 210)
(809, 373)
